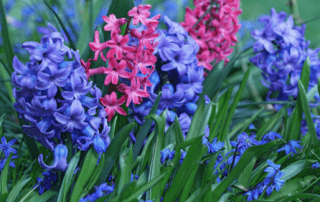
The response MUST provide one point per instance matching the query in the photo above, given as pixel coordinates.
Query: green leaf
(223, 103)
(244, 177)
(267, 126)
(293, 169)
(4, 175)
(295, 119)
(214, 79)
(16, 189)
(300, 196)
(141, 189)
(68, 178)
(32, 146)
(233, 107)
(155, 165)
(6, 38)
(113, 151)
(87, 169)
(178, 131)
(307, 113)
(44, 197)
(144, 130)
(190, 164)
(125, 162)
(197, 124)
(254, 151)
(1, 119)
(96, 173)
(63, 27)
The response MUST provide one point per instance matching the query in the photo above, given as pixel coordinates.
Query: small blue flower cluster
(177, 75)
(5, 147)
(273, 181)
(50, 178)
(281, 51)
(101, 190)
(51, 93)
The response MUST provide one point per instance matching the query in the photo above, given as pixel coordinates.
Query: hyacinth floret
(281, 51)
(53, 94)
(176, 74)
(131, 64)
(213, 25)
(272, 181)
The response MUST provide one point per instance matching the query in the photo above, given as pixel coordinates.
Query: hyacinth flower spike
(60, 159)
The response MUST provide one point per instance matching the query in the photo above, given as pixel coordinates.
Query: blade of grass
(307, 114)
(233, 107)
(113, 151)
(6, 38)
(73, 46)
(145, 129)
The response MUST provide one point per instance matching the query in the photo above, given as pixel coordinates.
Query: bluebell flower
(315, 165)
(60, 159)
(214, 146)
(270, 136)
(47, 182)
(289, 148)
(274, 183)
(166, 154)
(252, 194)
(6, 146)
(101, 190)
(244, 142)
(273, 169)
(3, 162)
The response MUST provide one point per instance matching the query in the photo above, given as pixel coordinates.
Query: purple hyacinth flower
(194, 86)
(51, 81)
(285, 29)
(6, 146)
(169, 98)
(166, 46)
(175, 28)
(79, 85)
(28, 74)
(264, 41)
(60, 159)
(73, 117)
(181, 58)
(274, 19)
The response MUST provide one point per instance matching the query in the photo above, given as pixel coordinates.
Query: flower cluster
(5, 147)
(101, 190)
(50, 178)
(273, 181)
(213, 25)
(177, 75)
(134, 63)
(52, 94)
(281, 51)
